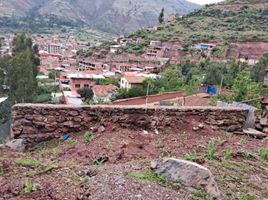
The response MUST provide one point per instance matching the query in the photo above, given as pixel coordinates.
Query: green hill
(233, 20)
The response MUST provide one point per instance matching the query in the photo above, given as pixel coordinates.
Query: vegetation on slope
(213, 23)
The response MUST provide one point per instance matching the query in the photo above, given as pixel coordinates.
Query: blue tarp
(212, 90)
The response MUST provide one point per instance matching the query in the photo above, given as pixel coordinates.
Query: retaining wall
(39, 122)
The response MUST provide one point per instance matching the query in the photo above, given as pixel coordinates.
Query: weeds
(248, 197)
(1, 171)
(168, 131)
(247, 155)
(228, 154)
(36, 164)
(49, 167)
(55, 152)
(263, 153)
(101, 160)
(166, 152)
(192, 156)
(159, 144)
(29, 162)
(201, 194)
(99, 117)
(109, 145)
(72, 141)
(242, 141)
(40, 147)
(88, 136)
(153, 177)
(211, 150)
(29, 186)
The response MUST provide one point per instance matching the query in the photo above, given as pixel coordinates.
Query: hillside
(228, 21)
(117, 16)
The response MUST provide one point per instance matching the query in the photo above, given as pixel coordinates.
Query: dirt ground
(114, 164)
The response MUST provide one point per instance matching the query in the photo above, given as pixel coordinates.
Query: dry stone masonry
(39, 122)
(262, 120)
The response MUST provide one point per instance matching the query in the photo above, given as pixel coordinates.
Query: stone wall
(262, 119)
(39, 122)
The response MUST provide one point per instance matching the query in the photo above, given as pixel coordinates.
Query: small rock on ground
(17, 144)
(187, 173)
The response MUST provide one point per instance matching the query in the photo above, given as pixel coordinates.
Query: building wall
(124, 83)
(40, 122)
(81, 82)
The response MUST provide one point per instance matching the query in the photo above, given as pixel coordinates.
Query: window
(86, 86)
(77, 85)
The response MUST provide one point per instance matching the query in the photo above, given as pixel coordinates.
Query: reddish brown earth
(68, 169)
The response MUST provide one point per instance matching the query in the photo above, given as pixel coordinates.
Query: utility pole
(147, 94)
(221, 85)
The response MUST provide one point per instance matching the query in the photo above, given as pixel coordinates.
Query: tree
(245, 89)
(161, 16)
(22, 79)
(21, 42)
(4, 67)
(86, 93)
(258, 71)
(213, 75)
(23, 70)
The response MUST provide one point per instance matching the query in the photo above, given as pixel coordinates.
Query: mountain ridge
(117, 16)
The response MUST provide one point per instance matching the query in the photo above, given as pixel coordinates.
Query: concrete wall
(38, 122)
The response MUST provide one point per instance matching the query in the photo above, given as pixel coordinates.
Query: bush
(43, 98)
(86, 93)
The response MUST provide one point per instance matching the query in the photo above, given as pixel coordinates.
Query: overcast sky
(205, 1)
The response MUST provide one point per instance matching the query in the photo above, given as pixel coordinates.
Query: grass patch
(150, 176)
(248, 197)
(264, 153)
(29, 162)
(36, 164)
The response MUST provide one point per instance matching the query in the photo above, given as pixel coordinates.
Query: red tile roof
(103, 90)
